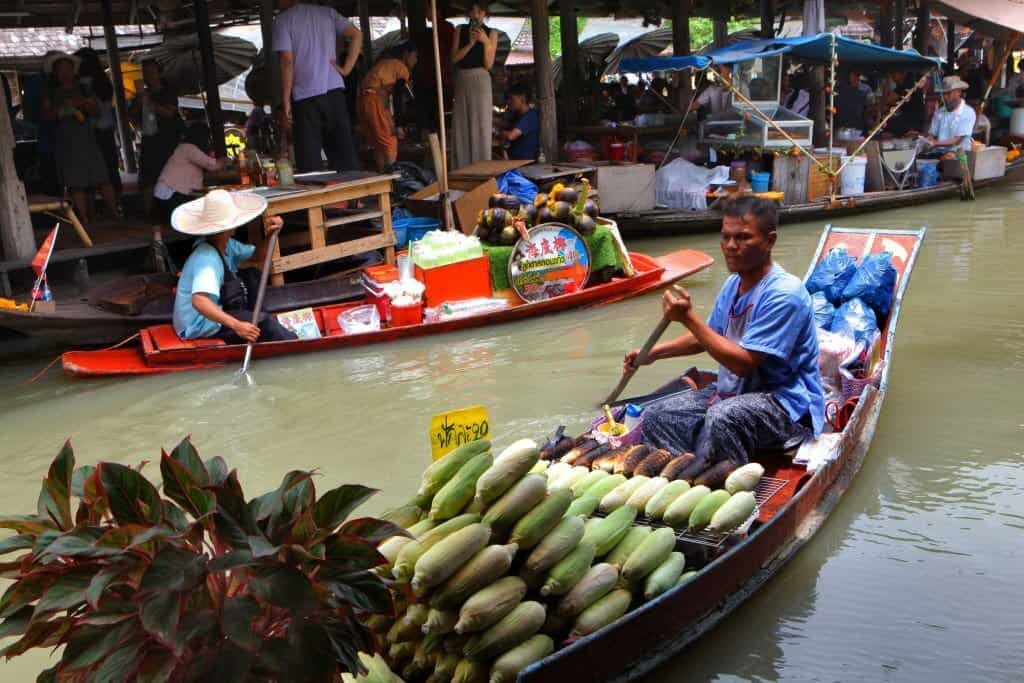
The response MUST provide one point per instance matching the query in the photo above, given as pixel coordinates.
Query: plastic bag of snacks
(832, 274)
(873, 283)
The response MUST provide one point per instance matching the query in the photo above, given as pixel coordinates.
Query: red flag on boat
(42, 257)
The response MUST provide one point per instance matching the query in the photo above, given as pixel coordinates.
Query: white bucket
(1017, 122)
(851, 178)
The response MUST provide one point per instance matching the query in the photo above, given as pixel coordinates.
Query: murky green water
(916, 576)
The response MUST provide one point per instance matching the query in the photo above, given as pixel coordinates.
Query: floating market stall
(597, 557)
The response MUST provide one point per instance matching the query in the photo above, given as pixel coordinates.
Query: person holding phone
(472, 55)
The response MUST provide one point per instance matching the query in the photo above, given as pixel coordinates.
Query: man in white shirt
(716, 98)
(953, 124)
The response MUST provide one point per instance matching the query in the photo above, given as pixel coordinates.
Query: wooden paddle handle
(264, 275)
(645, 352)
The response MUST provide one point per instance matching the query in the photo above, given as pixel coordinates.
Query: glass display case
(760, 80)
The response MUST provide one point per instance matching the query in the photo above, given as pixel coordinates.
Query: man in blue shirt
(762, 333)
(524, 135)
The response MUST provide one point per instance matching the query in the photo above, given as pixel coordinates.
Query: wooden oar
(243, 373)
(641, 357)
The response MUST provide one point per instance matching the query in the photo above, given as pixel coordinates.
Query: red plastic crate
(456, 281)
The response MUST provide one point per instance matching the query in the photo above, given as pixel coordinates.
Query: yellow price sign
(455, 428)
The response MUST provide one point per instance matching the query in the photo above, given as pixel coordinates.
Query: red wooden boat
(159, 350)
(794, 504)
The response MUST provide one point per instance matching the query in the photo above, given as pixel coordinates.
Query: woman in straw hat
(212, 299)
(71, 107)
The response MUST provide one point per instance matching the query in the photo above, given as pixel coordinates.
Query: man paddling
(762, 333)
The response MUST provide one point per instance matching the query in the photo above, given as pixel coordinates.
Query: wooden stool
(62, 210)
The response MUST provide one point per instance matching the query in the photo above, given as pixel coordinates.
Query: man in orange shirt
(375, 92)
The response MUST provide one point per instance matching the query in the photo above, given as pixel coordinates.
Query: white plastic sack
(834, 350)
(682, 185)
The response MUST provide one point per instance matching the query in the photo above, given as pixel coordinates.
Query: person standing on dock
(472, 57)
(768, 391)
(313, 83)
(375, 101)
(523, 137)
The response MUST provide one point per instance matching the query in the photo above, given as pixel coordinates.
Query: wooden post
(922, 29)
(720, 23)
(884, 23)
(681, 48)
(15, 222)
(767, 19)
(272, 67)
(570, 61)
(899, 15)
(213, 110)
(367, 30)
(814, 19)
(120, 107)
(951, 41)
(545, 83)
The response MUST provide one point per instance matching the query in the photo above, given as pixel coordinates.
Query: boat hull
(149, 358)
(666, 222)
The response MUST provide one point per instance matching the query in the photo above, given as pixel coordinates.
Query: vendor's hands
(285, 116)
(676, 304)
(930, 139)
(477, 35)
(246, 331)
(272, 224)
(632, 361)
(400, 133)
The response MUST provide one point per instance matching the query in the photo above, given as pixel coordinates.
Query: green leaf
(19, 542)
(173, 569)
(121, 662)
(195, 624)
(25, 524)
(66, 592)
(74, 545)
(186, 455)
(44, 540)
(216, 470)
(48, 675)
(90, 644)
(17, 623)
(24, 591)
(349, 553)
(39, 634)
(283, 586)
(101, 580)
(157, 667)
(363, 590)
(371, 529)
(133, 500)
(54, 501)
(152, 533)
(336, 505)
(261, 547)
(229, 531)
(236, 621)
(174, 517)
(238, 558)
(181, 487)
(160, 615)
(78, 479)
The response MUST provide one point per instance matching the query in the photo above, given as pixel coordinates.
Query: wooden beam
(570, 61)
(364, 26)
(767, 19)
(885, 23)
(214, 114)
(545, 83)
(15, 222)
(899, 15)
(272, 66)
(333, 252)
(923, 27)
(951, 41)
(681, 10)
(120, 106)
(720, 23)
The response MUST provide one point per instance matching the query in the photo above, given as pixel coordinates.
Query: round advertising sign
(553, 261)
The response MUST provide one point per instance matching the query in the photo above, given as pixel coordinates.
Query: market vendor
(213, 299)
(716, 98)
(523, 137)
(952, 124)
(768, 393)
(375, 93)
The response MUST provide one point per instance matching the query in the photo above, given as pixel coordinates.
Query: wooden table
(633, 132)
(546, 175)
(313, 200)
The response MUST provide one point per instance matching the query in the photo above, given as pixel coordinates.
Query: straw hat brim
(954, 85)
(51, 59)
(189, 220)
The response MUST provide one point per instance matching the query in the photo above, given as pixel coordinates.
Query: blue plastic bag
(824, 311)
(856, 320)
(832, 274)
(515, 183)
(873, 283)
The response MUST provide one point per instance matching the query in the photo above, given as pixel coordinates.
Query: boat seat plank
(164, 338)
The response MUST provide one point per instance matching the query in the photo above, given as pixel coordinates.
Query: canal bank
(909, 577)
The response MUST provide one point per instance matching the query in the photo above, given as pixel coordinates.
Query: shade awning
(995, 18)
(815, 49)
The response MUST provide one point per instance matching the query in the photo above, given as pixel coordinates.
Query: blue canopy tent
(817, 49)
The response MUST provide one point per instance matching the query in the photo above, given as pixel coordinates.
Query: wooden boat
(159, 350)
(666, 222)
(116, 310)
(794, 506)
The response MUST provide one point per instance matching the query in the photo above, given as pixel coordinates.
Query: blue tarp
(816, 49)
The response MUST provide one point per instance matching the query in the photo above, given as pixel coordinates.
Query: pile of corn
(502, 562)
